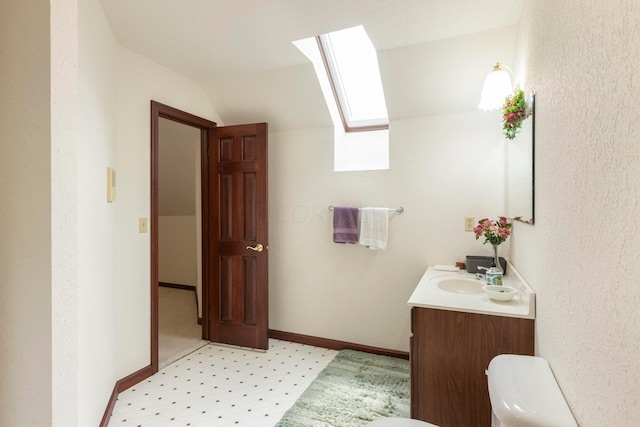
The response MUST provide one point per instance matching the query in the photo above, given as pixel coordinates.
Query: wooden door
(238, 235)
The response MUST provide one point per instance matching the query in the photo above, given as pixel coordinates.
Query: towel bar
(399, 210)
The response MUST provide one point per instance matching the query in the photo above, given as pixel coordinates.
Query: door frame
(161, 110)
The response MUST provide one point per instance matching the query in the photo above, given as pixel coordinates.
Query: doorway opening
(179, 192)
(234, 229)
(179, 241)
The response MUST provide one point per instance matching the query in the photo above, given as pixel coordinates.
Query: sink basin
(463, 292)
(459, 285)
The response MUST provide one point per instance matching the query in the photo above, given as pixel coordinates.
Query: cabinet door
(452, 352)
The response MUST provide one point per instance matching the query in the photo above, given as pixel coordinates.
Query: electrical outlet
(143, 225)
(469, 223)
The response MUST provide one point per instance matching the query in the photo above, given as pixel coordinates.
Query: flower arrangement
(514, 111)
(494, 232)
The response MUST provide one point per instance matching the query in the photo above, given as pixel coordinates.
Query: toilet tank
(524, 393)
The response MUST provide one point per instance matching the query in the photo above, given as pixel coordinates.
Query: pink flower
(503, 232)
(495, 232)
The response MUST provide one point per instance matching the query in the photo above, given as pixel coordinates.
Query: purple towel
(345, 225)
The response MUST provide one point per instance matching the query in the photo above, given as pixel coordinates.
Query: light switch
(143, 225)
(469, 223)
(111, 184)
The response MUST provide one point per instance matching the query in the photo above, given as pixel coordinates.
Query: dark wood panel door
(238, 237)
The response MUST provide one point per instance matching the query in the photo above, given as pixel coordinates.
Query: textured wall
(65, 318)
(25, 214)
(96, 232)
(443, 168)
(583, 255)
(139, 81)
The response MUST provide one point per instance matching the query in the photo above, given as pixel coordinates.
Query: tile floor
(223, 386)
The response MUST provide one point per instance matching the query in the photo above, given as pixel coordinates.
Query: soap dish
(499, 292)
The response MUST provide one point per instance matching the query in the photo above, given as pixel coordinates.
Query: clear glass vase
(496, 259)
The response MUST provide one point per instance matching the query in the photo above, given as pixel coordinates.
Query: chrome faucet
(481, 276)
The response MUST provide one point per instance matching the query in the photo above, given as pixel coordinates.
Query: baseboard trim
(335, 344)
(120, 386)
(112, 404)
(135, 378)
(177, 286)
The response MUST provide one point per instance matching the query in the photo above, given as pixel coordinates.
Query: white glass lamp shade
(496, 87)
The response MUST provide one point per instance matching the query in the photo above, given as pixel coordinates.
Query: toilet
(523, 393)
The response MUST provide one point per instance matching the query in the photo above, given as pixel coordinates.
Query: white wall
(96, 225)
(61, 308)
(25, 215)
(582, 256)
(179, 206)
(140, 81)
(55, 333)
(443, 76)
(52, 183)
(177, 249)
(64, 210)
(439, 77)
(443, 168)
(178, 146)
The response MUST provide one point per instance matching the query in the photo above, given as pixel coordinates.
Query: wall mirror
(520, 169)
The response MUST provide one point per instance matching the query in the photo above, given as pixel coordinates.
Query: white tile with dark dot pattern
(223, 386)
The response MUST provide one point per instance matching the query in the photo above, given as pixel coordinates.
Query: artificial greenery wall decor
(514, 111)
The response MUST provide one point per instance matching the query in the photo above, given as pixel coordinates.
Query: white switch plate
(469, 223)
(111, 184)
(143, 225)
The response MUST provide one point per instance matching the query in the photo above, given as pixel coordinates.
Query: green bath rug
(354, 389)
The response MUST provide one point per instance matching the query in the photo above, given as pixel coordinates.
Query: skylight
(352, 67)
(346, 65)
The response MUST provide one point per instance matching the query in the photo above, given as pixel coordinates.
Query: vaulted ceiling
(433, 54)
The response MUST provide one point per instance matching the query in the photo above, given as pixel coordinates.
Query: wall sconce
(497, 85)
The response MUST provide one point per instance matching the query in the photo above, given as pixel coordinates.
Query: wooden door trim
(161, 110)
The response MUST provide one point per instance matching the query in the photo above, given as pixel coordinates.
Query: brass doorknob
(257, 248)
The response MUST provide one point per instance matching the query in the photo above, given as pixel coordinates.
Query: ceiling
(228, 45)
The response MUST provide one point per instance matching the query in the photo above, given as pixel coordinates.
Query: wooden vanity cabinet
(450, 352)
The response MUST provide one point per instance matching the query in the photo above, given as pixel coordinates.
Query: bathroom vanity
(456, 331)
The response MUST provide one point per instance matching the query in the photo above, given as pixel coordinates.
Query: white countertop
(428, 295)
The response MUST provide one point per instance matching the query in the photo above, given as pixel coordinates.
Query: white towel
(374, 227)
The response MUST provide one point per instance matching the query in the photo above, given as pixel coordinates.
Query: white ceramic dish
(500, 293)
